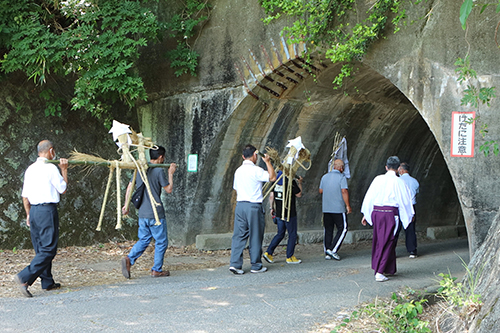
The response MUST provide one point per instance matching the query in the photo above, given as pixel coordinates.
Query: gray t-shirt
(332, 184)
(157, 181)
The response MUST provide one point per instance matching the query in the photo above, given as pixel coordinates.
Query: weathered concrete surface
(442, 232)
(399, 102)
(377, 123)
(212, 242)
(485, 271)
(420, 62)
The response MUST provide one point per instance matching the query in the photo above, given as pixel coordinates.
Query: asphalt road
(287, 298)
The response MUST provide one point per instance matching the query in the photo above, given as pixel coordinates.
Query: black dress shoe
(23, 287)
(53, 286)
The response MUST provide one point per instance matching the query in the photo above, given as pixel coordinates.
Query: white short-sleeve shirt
(248, 180)
(43, 183)
(413, 185)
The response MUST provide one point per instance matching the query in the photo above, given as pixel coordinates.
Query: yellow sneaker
(293, 260)
(268, 257)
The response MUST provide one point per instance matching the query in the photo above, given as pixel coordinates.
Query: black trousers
(44, 229)
(410, 235)
(330, 221)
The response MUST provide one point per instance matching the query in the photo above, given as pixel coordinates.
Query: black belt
(46, 204)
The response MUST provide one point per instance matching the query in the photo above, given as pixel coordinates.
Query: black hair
(154, 154)
(393, 163)
(405, 166)
(248, 151)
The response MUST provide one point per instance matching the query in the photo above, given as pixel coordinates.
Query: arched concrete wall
(406, 82)
(421, 64)
(378, 122)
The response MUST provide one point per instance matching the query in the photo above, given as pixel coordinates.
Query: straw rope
(108, 185)
(118, 197)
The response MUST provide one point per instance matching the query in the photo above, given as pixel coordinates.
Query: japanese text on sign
(462, 134)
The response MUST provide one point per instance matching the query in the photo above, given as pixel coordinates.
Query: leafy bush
(95, 44)
(399, 314)
(324, 23)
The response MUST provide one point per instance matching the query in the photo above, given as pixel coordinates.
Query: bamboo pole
(108, 185)
(123, 165)
(118, 198)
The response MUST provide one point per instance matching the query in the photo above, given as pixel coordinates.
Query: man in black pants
(336, 205)
(410, 232)
(42, 186)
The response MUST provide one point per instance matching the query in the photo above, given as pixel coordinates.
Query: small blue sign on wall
(192, 165)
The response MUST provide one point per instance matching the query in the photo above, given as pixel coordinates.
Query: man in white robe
(386, 202)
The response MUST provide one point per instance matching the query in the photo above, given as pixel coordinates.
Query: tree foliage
(182, 27)
(325, 24)
(468, 5)
(95, 44)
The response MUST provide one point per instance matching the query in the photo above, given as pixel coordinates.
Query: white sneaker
(327, 257)
(332, 254)
(380, 277)
(236, 271)
(261, 270)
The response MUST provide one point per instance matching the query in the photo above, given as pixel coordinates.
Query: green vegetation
(402, 313)
(467, 7)
(462, 301)
(474, 94)
(93, 44)
(325, 24)
(395, 315)
(182, 27)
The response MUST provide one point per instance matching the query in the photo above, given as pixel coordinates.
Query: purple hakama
(384, 245)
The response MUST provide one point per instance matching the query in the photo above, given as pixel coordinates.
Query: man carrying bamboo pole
(284, 224)
(147, 223)
(249, 221)
(42, 186)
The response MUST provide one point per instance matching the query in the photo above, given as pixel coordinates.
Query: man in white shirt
(387, 201)
(410, 233)
(42, 186)
(249, 220)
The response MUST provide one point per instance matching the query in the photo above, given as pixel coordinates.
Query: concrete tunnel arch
(376, 118)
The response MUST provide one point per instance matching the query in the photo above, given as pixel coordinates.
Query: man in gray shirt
(336, 206)
(148, 229)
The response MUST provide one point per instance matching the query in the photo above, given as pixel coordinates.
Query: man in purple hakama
(387, 200)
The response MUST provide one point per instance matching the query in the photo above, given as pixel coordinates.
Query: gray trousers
(249, 225)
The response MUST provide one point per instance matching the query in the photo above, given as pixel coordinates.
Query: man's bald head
(338, 164)
(44, 147)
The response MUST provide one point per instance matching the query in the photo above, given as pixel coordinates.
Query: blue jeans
(283, 226)
(148, 230)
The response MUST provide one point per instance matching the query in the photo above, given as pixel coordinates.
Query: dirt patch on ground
(75, 267)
